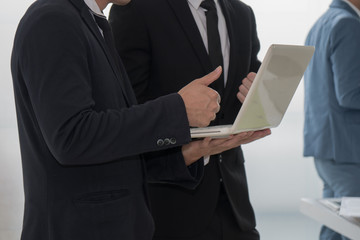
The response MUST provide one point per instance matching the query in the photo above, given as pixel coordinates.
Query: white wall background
(11, 193)
(278, 175)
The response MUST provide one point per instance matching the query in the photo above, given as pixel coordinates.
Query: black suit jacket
(81, 132)
(162, 51)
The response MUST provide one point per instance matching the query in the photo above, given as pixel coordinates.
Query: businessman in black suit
(163, 46)
(81, 132)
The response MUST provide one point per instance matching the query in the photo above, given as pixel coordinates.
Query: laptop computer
(270, 94)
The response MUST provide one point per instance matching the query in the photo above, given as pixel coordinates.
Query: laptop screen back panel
(273, 88)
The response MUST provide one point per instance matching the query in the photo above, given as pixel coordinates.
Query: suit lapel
(183, 13)
(118, 70)
(185, 17)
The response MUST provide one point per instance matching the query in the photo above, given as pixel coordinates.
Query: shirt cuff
(206, 160)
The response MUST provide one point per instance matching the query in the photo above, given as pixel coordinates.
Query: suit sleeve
(168, 167)
(345, 58)
(58, 77)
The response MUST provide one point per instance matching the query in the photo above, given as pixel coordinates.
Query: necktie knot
(208, 5)
(102, 23)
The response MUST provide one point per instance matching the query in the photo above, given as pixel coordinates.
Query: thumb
(211, 77)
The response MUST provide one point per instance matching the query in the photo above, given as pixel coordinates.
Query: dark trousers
(223, 225)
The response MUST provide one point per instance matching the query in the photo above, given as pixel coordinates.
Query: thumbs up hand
(201, 102)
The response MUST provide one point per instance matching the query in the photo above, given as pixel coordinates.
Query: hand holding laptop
(245, 86)
(270, 94)
(211, 146)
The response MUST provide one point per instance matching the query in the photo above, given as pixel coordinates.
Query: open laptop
(270, 94)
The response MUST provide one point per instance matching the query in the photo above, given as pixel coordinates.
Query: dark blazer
(162, 51)
(81, 133)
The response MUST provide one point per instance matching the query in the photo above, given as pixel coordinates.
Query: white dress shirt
(93, 6)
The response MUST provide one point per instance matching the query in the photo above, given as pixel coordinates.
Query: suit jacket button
(220, 158)
(173, 141)
(166, 141)
(160, 142)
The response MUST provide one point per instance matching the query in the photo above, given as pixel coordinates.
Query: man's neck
(356, 3)
(102, 4)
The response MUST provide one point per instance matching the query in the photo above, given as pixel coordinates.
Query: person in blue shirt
(332, 102)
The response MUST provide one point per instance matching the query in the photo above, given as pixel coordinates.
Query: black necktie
(108, 36)
(214, 44)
